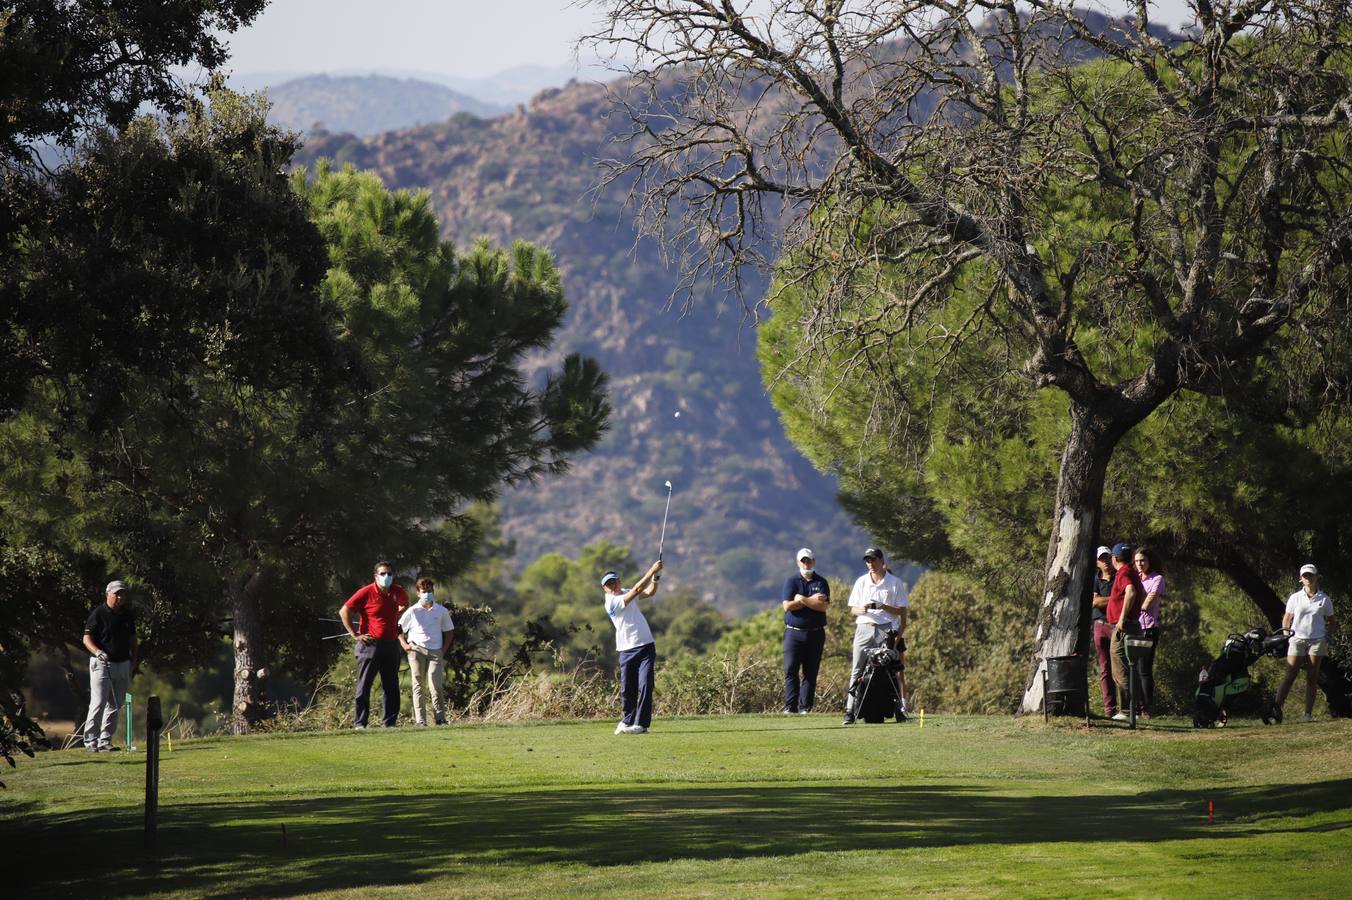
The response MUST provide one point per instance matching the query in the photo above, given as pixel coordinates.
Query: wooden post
(154, 723)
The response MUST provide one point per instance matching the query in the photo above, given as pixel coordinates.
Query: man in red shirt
(1124, 606)
(376, 638)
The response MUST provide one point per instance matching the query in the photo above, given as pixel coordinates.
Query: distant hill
(368, 104)
(519, 83)
(745, 500)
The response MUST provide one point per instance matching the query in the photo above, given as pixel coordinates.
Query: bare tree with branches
(935, 140)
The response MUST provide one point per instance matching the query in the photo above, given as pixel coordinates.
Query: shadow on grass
(296, 846)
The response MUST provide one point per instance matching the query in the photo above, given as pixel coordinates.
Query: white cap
(1309, 569)
(1103, 551)
(805, 553)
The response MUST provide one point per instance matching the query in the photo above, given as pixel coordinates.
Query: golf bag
(877, 692)
(1228, 676)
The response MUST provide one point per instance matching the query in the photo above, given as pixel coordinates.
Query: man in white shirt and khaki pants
(425, 632)
(878, 602)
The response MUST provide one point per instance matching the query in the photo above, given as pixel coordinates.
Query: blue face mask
(384, 580)
(425, 598)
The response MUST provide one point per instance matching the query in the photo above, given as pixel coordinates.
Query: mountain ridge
(745, 500)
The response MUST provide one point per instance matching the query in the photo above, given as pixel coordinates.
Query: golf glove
(101, 656)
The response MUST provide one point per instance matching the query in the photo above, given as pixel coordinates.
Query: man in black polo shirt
(110, 638)
(806, 596)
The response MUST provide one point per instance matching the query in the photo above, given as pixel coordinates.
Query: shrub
(967, 651)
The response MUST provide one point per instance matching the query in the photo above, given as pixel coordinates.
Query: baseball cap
(1309, 569)
(805, 553)
(1101, 552)
(874, 552)
(114, 586)
(1122, 551)
(608, 577)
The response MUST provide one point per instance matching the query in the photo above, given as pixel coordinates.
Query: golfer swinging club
(634, 641)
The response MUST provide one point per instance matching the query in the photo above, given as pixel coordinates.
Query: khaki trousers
(1117, 648)
(427, 667)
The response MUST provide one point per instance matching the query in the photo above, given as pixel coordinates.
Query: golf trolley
(1228, 676)
(877, 692)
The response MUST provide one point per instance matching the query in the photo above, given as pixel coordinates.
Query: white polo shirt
(1308, 614)
(631, 629)
(423, 625)
(889, 591)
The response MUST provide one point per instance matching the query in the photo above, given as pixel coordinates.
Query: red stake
(1210, 811)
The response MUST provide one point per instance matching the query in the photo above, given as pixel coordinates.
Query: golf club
(661, 540)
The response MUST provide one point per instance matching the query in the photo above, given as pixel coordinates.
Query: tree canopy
(926, 162)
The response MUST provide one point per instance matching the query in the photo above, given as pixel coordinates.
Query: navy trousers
(802, 659)
(636, 684)
(377, 657)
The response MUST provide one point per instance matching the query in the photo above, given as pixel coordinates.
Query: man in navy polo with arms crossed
(806, 596)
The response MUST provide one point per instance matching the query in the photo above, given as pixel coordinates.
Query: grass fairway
(794, 806)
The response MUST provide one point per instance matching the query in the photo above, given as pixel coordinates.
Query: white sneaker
(621, 728)
(1120, 717)
(636, 729)
(1309, 717)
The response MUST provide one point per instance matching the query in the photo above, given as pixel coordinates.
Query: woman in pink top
(1152, 585)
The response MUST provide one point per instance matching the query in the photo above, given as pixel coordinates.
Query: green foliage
(328, 422)
(967, 651)
(67, 66)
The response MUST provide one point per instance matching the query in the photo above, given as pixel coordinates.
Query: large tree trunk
(251, 672)
(1063, 620)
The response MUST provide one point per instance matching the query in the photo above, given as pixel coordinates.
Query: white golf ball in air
(678, 414)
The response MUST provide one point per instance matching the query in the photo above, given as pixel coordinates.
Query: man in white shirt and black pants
(878, 602)
(634, 641)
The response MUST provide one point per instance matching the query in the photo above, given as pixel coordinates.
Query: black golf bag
(877, 692)
(1228, 676)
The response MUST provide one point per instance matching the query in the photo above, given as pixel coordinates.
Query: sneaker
(788, 712)
(440, 721)
(358, 727)
(803, 712)
(636, 729)
(1309, 717)
(621, 728)
(849, 719)
(1120, 717)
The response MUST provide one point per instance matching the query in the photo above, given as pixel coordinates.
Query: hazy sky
(464, 38)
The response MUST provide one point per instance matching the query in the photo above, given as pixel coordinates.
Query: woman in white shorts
(1309, 615)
